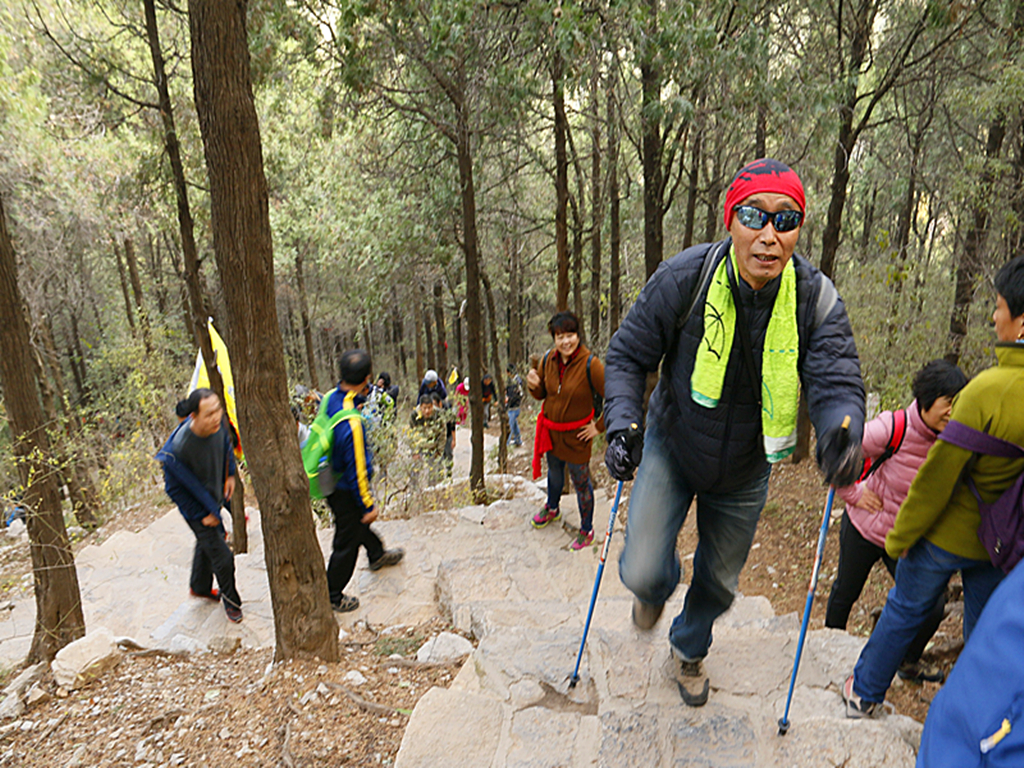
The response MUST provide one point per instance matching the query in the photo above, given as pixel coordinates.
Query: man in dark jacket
(199, 476)
(741, 325)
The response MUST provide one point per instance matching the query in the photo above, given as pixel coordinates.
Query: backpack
(1002, 522)
(598, 400)
(899, 431)
(316, 454)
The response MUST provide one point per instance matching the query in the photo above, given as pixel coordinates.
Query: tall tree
(59, 618)
(303, 622)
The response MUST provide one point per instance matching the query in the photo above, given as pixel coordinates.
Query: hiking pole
(597, 584)
(784, 720)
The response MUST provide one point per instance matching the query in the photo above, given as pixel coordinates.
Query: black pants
(213, 558)
(857, 556)
(349, 535)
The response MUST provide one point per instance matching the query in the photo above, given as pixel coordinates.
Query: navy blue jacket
(426, 390)
(720, 448)
(351, 457)
(193, 500)
(985, 688)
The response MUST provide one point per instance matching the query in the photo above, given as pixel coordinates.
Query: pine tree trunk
(597, 221)
(691, 190)
(307, 329)
(128, 307)
(417, 320)
(193, 280)
(133, 274)
(474, 319)
(614, 221)
(561, 184)
(442, 340)
(428, 327)
(59, 617)
(650, 80)
(303, 621)
(499, 378)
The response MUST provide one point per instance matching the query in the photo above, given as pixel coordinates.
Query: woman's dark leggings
(857, 556)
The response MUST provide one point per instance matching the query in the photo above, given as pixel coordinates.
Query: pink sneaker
(545, 516)
(583, 540)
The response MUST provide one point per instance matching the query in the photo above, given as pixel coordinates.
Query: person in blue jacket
(352, 501)
(978, 717)
(199, 476)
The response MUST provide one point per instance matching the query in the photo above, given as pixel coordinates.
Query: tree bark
(516, 353)
(597, 221)
(307, 329)
(614, 221)
(190, 254)
(561, 183)
(59, 617)
(693, 179)
(471, 249)
(969, 266)
(396, 316)
(303, 621)
(499, 377)
(428, 327)
(140, 308)
(651, 143)
(417, 320)
(128, 307)
(442, 336)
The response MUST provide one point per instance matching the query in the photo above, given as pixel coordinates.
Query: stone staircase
(524, 596)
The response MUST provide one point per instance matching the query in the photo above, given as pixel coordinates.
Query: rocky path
(523, 594)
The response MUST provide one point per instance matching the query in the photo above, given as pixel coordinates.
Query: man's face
(1008, 327)
(207, 419)
(761, 254)
(427, 409)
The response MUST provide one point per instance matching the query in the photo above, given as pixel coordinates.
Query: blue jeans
(513, 427)
(920, 577)
(580, 474)
(649, 565)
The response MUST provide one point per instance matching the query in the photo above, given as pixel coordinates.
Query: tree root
(363, 704)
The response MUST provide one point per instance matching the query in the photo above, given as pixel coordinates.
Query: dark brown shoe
(646, 615)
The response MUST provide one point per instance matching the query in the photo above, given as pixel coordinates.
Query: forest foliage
(599, 138)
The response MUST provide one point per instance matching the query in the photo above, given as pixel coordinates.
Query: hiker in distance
(352, 501)
(199, 476)
(742, 325)
(938, 528)
(895, 445)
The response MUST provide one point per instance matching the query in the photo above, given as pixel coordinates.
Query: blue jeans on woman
(513, 427)
(920, 577)
(649, 565)
(580, 474)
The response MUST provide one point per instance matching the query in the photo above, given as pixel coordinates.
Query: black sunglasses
(753, 217)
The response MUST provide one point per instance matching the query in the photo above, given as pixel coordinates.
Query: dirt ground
(237, 710)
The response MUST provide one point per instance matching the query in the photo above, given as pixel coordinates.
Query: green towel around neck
(780, 380)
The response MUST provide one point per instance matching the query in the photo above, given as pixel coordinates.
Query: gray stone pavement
(524, 595)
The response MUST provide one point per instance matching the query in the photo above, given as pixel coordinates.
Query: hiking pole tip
(783, 726)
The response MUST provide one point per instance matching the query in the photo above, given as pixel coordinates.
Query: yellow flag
(200, 378)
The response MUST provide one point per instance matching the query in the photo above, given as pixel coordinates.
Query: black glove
(840, 457)
(625, 449)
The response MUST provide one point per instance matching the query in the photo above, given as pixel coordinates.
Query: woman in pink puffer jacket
(871, 505)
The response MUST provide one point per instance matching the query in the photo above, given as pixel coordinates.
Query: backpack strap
(976, 441)
(896, 435)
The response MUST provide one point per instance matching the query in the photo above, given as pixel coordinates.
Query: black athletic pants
(213, 558)
(349, 535)
(857, 556)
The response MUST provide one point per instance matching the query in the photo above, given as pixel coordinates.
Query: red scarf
(542, 437)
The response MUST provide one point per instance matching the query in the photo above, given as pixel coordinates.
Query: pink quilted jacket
(892, 480)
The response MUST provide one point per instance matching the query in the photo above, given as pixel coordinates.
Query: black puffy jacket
(720, 448)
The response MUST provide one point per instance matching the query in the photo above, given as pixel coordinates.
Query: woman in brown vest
(566, 424)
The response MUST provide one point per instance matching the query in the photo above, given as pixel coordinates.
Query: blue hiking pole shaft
(784, 722)
(597, 582)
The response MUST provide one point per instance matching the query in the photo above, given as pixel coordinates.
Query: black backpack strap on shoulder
(827, 298)
(707, 271)
(598, 399)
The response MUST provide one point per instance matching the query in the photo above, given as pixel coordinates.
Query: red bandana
(764, 175)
